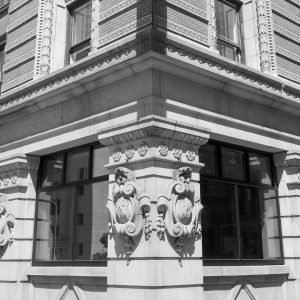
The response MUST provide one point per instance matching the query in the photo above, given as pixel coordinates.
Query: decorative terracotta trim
(285, 13)
(287, 33)
(19, 60)
(20, 40)
(22, 20)
(189, 7)
(16, 82)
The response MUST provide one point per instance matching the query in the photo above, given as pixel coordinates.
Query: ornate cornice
(154, 126)
(207, 62)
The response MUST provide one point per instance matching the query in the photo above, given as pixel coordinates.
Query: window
(80, 31)
(71, 218)
(240, 217)
(2, 46)
(228, 29)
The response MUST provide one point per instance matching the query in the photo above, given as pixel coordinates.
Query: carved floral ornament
(128, 209)
(178, 210)
(7, 222)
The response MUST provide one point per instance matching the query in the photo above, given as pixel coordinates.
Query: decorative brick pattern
(19, 60)
(18, 81)
(3, 24)
(191, 7)
(22, 20)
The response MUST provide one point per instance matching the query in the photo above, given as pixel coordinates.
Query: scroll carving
(128, 208)
(178, 210)
(7, 222)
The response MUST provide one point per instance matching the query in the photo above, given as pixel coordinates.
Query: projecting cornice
(143, 54)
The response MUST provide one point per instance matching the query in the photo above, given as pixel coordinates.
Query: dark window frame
(64, 184)
(221, 40)
(243, 183)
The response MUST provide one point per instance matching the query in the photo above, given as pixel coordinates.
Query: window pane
(52, 171)
(77, 165)
(226, 50)
(233, 164)
(82, 23)
(1, 63)
(227, 21)
(258, 224)
(260, 169)
(100, 158)
(54, 225)
(91, 225)
(207, 155)
(219, 228)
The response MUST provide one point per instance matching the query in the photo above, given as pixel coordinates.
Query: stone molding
(7, 223)
(265, 62)
(212, 27)
(147, 20)
(222, 67)
(22, 20)
(46, 37)
(154, 126)
(94, 25)
(173, 26)
(21, 40)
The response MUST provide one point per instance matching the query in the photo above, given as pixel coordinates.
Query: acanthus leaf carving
(128, 209)
(178, 210)
(7, 222)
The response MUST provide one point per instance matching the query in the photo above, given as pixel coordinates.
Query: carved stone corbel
(128, 208)
(178, 210)
(7, 222)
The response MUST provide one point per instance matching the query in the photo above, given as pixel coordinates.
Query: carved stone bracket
(7, 222)
(178, 210)
(128, 208)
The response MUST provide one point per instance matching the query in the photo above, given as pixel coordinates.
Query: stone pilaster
(94, 26)
(212, 28)
(154, 204)
(288, 173)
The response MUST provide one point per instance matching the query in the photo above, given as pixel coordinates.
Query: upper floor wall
(43, 36)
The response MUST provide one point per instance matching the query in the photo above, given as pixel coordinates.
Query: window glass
(100, 159)
(227, 21)
(233, 164)
(77, 165)
(260, 169)
(226, 50)
(219, 227)
(258, 223)
(71, 219)
(81, 23)
(52, 171)
(52, 243)
(207, 155)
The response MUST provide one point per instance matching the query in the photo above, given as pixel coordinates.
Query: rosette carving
(178, 210)
(7, 222)
(128, 208)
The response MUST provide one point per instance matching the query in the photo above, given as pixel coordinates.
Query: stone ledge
(220, 271)
(67, 271)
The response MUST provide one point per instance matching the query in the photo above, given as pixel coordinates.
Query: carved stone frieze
(7, 223)
(47, 33)
(263, 35)
(178, 210)
(163, 150)
(128, 208)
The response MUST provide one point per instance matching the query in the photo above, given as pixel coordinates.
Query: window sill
(220, 271)
(67, 271)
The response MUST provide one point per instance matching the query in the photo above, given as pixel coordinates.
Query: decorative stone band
(154, 126)
(290, 162)
(14, 172)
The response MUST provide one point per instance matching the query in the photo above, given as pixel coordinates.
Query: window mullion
(238, 229)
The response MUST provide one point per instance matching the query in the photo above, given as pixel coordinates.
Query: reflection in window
(80, 31)
(71, 220)
(227, 22)
(240, 217)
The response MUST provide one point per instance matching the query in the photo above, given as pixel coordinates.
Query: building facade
(149, 149)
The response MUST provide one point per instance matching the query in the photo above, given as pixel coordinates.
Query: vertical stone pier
(154, 247)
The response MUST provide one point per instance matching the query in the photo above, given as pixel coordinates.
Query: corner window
(71, 218)
(228, 29)
(240, 219)
(80, 31)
